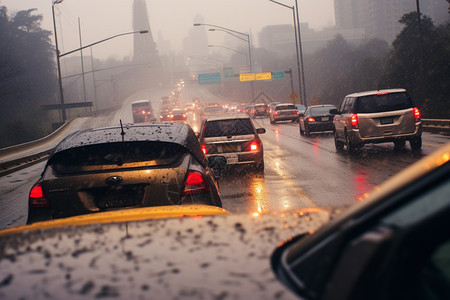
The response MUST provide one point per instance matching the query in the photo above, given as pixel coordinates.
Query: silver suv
(377, 117)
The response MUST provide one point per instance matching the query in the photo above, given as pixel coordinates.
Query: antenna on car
(123, 132)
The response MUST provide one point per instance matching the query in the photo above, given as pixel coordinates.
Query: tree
(419, 62)
(27, 76)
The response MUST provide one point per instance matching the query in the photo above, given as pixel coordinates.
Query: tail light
(254, 146)
(416, 113)
(275, 113)
(195, 183)
(204, 150)
(36, 197)
(354, 120)
(311, 120)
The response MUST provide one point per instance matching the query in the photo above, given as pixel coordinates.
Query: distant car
(114, 168)
(241, 108)
(394, 244)
(271, 106)
(178, 115)
(212, 110)
(165, 113)
(378, 117)
(317, 118)
(142, 111)
(283, 112)
(259, 110)
(235, 137)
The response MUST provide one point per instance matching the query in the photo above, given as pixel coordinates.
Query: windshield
(323, 110)
(380, 103)
(230, 79)
(228, 128)
(115, 156)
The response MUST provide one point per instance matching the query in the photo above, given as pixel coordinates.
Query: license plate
(386, 121)
(325, 118)
(229, 148)
(232, 159)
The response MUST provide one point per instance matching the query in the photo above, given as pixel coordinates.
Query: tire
(416, 143)
(307, 132)
(259, 168)
(349, 145)
(338, 144)
(301, 131)
(399, 144)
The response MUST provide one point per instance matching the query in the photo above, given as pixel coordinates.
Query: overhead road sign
(264, 76)
(278, 75)
(247, 77)
(228, 72)
(209, 78)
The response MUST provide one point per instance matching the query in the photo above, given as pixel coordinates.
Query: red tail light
(204, 150)
(254, 146)
(354, 120)
(275, 113)
(416, 113)
(382, 93)
(195, 183)
(311, 120)
(36, 197)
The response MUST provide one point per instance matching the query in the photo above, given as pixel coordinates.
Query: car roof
(368, 93)
(322, 105)
(226, 117)
(140, 101)
(177, 133)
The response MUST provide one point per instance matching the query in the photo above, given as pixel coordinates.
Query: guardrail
(436, 125)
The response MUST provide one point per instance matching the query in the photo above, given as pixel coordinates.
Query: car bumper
(355, 137)
(320, 126)
(242, 158)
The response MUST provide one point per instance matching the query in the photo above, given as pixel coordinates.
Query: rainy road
(299, 171)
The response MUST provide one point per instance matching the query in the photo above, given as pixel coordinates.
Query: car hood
(201, 257)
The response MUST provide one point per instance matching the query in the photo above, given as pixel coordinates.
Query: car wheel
(399, 144)
(416, 143)
(301, 131)
(349, 145)
(338, 144)
(260, 167)
(307, 132)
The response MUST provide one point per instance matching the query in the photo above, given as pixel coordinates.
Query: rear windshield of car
(285, 107)
(113, 156)
(381, 103)
(323, 110)
(213, 109)
(228, 128)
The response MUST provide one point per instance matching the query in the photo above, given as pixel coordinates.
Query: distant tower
(144, 46)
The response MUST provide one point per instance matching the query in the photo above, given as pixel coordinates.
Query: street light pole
(61, 92)
(301, 56)
(235, 33)
(296, 47)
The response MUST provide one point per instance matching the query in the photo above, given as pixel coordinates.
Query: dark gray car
(114, 168)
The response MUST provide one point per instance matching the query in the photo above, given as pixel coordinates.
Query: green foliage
(27, 77)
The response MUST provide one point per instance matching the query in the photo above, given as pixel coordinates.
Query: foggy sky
(172, 18)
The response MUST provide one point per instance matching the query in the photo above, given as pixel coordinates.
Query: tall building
(144, 45)
(380, 18)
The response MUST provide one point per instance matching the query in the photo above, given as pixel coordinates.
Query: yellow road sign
(247, 77)
(264, 76)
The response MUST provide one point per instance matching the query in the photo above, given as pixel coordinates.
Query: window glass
(285, 107)
(228, 128)
(112, 156)
(322, 110)
(384, 102)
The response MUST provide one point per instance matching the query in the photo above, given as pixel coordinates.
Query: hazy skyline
(171, 18)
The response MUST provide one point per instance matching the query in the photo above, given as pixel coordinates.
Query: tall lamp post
(58, 55)
(300, 76)
(61, 93)
(236, 34)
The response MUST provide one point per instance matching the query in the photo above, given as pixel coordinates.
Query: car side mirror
(334, 111)
(260, 130)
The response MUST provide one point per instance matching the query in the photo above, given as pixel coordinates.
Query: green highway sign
(228, 72)
(277, 75)
(209, 78)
